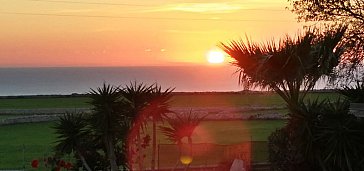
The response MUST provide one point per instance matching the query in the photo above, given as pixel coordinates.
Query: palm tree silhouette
(290, 68)
(181, 126)
(72, 136)
(119, 117)
(105, 119)
(145, 103)
(157, 109)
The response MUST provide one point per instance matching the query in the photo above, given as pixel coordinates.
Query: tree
(135, 99)
(114, 127)
(99, 137)
(105, 119)
(350, 12)
(290, 68)
(144, 103)
(157, 109)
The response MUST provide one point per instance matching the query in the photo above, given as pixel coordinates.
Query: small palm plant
(180, 127)
(337, 137)
(72, 136)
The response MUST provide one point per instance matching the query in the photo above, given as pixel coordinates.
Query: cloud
(206, 7)
(201, 7)
(208, 32)
(77, 11)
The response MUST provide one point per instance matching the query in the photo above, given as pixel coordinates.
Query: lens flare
(185, 159)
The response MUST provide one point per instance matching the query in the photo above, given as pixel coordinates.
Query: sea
(69, 80)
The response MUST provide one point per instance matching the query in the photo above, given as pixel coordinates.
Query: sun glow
(215, 57)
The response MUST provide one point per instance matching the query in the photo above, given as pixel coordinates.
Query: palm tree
(119, 116)
(72, 137)
(181, 126)
(290, 68)
(142, 103)
(105, 119)
(135, 99)
(157, 109)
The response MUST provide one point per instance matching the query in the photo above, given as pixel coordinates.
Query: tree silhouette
(290, 68)
(105, 119)
(350, 12)
(157, 109)
(144, 103)
(114, 128)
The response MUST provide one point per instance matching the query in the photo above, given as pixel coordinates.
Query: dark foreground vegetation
(320, 134)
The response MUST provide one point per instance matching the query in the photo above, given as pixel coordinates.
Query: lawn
(215, 136)
(21, 143)
(44, 102)
(178, 100)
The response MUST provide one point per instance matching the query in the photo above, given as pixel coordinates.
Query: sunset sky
(50, 33)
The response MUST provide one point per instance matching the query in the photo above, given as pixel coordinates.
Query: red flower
(68, 165)
(35, 163)
(61, 163)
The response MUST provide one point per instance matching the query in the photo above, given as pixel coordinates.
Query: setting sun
(215, 57)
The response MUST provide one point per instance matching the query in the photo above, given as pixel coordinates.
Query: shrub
(283, 154)
(328, 137)
(354, 94)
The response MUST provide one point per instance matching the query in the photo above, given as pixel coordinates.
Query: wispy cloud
(194, 31)
(76, 10)
(206, 7)
(201, 7)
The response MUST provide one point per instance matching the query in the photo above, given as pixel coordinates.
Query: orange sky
(132, 33)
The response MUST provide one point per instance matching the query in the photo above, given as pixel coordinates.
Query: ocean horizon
(69, 80)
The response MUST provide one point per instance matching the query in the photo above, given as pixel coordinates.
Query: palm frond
(291, 67)
(70, 132)
(181, 125)
(354, 93)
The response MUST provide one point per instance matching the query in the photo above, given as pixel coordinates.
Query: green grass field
(44, 102)
(178, 100)
(21, 143)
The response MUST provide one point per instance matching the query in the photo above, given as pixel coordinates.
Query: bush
(339, 138)
(283, 154)
(354, 94)
(328, 137)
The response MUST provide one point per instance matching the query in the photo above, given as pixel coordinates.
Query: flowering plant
(53, 163)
